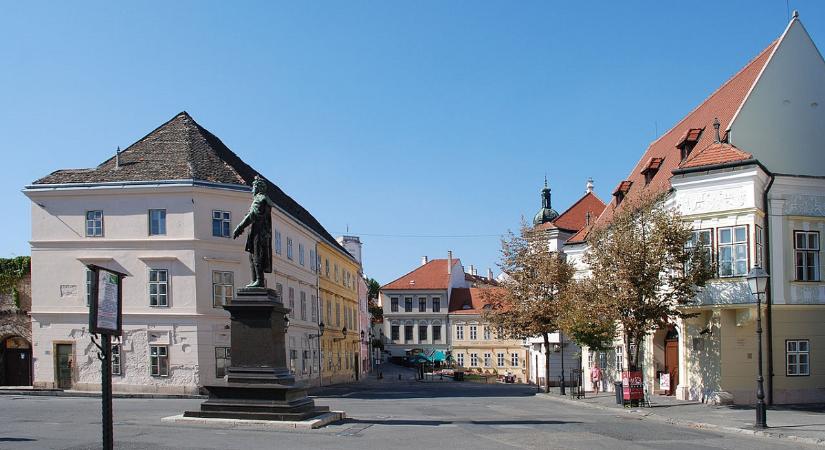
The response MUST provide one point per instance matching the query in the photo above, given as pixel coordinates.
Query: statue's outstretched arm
(241, 226)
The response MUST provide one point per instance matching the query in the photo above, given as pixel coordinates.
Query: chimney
(589, 186)
(490, 274)
(424, 260)
(472, 270)
(449, 261)
(117, 158)
(475, 272)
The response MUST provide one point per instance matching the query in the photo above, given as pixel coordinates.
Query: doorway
(356, 363)
(17, 362)
(672, 358)
(63, 356)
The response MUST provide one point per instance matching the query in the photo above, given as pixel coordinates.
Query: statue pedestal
(258, 386)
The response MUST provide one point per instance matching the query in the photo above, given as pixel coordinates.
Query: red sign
(632, 386)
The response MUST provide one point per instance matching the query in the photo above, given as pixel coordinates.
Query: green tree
(644, 267)
(376, 311)
(530, 302)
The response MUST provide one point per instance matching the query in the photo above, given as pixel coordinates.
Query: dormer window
(651, 168)
(688, 142)
(622, 190)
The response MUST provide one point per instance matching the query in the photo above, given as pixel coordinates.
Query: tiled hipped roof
(722, 104)
(716, 153)
(432, 275)
(181, 149)
(575, 217)
(470, 300)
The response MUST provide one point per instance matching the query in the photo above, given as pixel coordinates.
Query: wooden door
(672, 363)
(63, 356)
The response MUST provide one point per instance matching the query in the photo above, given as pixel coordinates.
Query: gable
(782, 121)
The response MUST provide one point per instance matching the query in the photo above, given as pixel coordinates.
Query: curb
(692, 424)
(92, 394)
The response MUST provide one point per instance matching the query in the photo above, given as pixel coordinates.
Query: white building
(746, 168)
(416, 307)
(162, 211)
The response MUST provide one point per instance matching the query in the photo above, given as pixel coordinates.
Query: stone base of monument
(258, 385)
(261, 425)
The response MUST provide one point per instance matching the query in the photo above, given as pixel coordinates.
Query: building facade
(162, 211)
(341, 341)
(745, 169)
(475, 343)
(416, 307)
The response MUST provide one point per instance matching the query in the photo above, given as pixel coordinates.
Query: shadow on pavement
(431, 423)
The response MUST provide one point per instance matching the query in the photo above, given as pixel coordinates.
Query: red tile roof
(432, 275)
(575, 217)
(721, 104)
(716, 153)
(470, 300)
(653, 164)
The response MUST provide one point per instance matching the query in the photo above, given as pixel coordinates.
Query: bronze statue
(259, 241)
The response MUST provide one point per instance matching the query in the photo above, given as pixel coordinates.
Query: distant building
(475, 343)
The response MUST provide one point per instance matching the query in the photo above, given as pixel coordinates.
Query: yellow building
(475, 344)
(338, 293)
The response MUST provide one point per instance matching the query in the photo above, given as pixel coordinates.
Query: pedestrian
(596, 378)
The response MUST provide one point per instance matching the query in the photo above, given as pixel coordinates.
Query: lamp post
(757, 282)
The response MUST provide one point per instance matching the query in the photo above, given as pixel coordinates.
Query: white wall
(782, 122)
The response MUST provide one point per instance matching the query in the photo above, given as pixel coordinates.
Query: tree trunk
(546, 362)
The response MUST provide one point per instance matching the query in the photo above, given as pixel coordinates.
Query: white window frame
(500, 359)
(514, 360)
(393, 304)
(486, 334)
(734, 245)
(459, 359)
(291, 298)
(277, 242)
(758, 246)
(223, 287)
(313, 263)
(473, 332)
(702, 237)
(794, 356)
(313, 300)
(806, 256)
(301, 258)
(161, 300)
(619, 358)
(159, 360)
(473, 359)
(161, 222)
(289, 255)
(488, 360)
(95, 223)
(223, 219)
(459, 332)
(436, 304)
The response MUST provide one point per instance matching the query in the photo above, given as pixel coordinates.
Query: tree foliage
(373, 289)
(530, 303)
(12, 270)
(643, 269)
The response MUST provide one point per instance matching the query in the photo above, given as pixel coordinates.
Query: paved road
(388, 414)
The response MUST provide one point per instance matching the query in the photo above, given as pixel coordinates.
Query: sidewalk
(28, 390)
(800, 423)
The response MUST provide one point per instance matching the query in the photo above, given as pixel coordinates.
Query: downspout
(768, 296)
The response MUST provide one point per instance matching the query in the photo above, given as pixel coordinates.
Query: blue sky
(395, 119)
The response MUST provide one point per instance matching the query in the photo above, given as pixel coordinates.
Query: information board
(632, 386)
(106, 307)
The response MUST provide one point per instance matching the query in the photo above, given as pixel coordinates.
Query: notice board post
(105, 319)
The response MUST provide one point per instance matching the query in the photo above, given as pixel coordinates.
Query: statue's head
(258, 185)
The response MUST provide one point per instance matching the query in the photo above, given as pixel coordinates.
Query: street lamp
(320, 332)
(758, 282)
